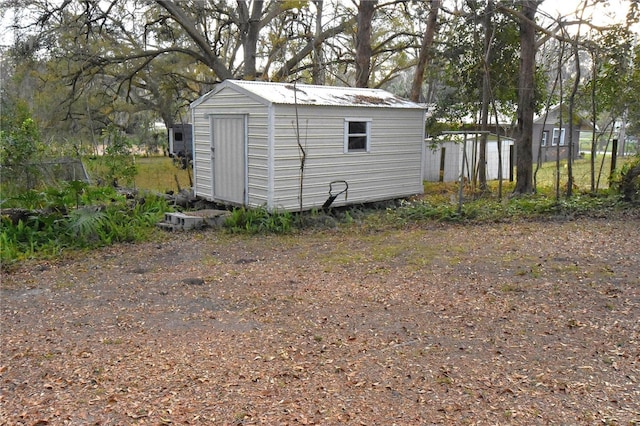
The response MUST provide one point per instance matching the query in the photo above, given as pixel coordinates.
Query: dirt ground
(508, 323)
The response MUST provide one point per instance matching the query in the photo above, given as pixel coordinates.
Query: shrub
(253, 221)
(627, 181)
(96, 217)
(121, 166)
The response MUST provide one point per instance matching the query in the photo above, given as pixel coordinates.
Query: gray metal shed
(249, 138)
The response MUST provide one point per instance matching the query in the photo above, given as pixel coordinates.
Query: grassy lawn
(160, 173)
(156, 173)
(581, 172)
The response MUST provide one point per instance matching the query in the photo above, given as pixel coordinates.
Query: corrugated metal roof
(306, 94)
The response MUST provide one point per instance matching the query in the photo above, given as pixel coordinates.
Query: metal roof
(306, 94)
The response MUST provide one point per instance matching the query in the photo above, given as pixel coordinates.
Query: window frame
(545, 138)
(558, 136)
(366, 134)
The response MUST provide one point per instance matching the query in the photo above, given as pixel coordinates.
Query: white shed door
(228, 158)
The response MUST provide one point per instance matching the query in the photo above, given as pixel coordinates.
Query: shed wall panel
(391, 169)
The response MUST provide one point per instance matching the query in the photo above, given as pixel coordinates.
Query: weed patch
(73, 219)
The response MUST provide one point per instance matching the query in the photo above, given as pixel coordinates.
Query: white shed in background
(444, 159)
(249, 138)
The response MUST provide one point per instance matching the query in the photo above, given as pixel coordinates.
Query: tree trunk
(614, 158)
(250, 26)
(572, 98)
(363, 42)
(594, 118)
(425, 50)
(318, 68)
(486, 89)
(526, 99)
(560, 127)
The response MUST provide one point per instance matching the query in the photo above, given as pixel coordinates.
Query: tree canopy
(83, 66)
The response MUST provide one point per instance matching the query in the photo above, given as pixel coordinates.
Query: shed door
(228, 158)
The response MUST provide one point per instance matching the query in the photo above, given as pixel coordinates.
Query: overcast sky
(601, 14)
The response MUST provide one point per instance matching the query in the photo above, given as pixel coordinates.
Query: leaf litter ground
(515, 323)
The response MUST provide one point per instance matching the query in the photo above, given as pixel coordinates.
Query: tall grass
(253, 221)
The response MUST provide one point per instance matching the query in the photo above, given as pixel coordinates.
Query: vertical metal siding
(392, 168)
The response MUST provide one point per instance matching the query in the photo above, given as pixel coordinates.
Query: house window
(558, 137)
(357, 134)
(545, 138)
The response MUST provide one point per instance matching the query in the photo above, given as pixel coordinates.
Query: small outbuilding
(291, 147)
(180, 137)
(447, 161)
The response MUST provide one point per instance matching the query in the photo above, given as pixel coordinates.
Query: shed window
(357, 135)
(558, 137)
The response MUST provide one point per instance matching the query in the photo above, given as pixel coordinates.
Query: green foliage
(30, 199)
(533, 206)
(19, 133)
(103, 218)
(84, 225)
(613, 76)
(626, 180)
(69, 194)
(422, 210)
(253, 221)
(20, 143)
(459, 67)
(121, 166)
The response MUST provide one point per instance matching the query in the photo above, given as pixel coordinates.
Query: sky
(602, 14)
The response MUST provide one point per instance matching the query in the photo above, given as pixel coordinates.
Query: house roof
(306, 94)
(552, 118)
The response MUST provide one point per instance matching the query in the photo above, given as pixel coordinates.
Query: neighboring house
(285, 147)
(549, 139)
(445, 161)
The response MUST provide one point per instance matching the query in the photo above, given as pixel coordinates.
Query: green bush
(75, 217)
(253, 221)
(492, 209)
(121, 166)
(20, 144)
(626, 182)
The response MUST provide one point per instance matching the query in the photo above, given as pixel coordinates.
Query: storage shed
(444, 160)
(180, 137)
(285, 146)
